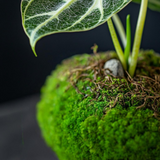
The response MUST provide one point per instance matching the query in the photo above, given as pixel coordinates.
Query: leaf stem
(116, 43)
(120, 28)
(138, 36)
(128, 35)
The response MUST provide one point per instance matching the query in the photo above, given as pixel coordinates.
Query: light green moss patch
(101, 123)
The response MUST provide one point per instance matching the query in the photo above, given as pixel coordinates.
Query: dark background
(22, 74)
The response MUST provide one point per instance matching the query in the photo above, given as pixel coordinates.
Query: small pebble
(115, 67)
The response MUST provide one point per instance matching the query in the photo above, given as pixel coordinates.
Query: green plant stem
(120, 28)
(128, 44)
(138, 36)
(116, 43)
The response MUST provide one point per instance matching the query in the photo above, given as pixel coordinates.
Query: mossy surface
(79, 127)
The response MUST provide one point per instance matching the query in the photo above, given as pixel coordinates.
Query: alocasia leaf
(152, 4)
(44, 17)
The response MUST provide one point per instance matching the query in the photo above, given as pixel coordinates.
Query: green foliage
(41, 18)
(79, 128)
(152, 4)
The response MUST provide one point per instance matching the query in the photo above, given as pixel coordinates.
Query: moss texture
(85, 128)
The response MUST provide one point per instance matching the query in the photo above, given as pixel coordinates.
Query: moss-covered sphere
(79, 127)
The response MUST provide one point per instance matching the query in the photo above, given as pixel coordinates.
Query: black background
(22, 74)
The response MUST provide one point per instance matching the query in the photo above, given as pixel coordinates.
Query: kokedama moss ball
(86, 115)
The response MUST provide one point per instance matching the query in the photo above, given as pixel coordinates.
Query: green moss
(85, 128)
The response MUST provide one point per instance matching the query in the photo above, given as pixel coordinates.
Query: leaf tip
(33, 49)
(34, 52)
